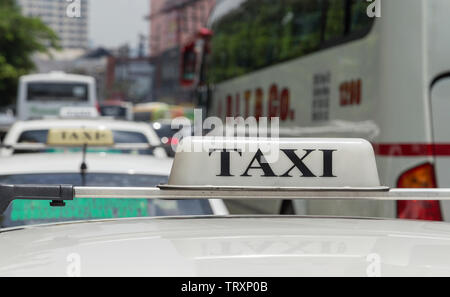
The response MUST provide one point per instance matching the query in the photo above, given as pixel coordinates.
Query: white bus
(327, 69)
(44, 94)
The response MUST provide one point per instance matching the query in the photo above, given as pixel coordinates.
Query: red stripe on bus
(412, 149)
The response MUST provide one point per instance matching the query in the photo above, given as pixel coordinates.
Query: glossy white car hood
(229, 247)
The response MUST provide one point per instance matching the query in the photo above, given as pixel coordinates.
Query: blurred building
(73, 31)
(129, 79)
(173, 23)
(92, 62)
(57, 60)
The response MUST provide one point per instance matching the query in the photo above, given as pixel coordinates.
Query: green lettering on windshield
(81, 209)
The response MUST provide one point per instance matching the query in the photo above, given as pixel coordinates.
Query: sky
(115, 22)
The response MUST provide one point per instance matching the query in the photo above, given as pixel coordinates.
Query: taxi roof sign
(326, 169)
(80, 137)
(274, 163)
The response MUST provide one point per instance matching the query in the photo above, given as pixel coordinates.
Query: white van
(44, 94)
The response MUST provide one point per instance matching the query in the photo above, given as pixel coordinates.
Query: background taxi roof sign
(80, 137)
(274, 163)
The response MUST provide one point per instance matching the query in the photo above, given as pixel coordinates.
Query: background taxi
(101, 169)
(36, 131)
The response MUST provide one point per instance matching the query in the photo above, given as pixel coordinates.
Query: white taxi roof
(96, 162)
(61, 122)
(239, 246)
(229, 247)
(19, 127)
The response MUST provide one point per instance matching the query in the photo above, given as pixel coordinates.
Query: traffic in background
(324, 69)
(360, 90)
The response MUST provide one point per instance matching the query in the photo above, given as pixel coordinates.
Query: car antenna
(83, 167)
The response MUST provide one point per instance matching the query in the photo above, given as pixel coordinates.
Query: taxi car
(170, 136)
(242, 246)
(36, 132)
(93, 169)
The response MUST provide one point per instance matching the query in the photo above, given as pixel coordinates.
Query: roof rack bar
(60, 193)
(55, 193)
(217, 193)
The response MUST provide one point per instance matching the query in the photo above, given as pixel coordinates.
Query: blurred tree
(20, 37)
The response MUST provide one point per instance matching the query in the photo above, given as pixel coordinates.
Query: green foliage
(20, 37)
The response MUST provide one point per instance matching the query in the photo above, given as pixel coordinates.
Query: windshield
(120, 137)
(119, 112)
(75, 92)
(27, 212)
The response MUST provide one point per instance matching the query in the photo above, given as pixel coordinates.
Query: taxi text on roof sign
(296, 163)
(79, 137)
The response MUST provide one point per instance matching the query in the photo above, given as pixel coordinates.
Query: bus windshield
(52, 91)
